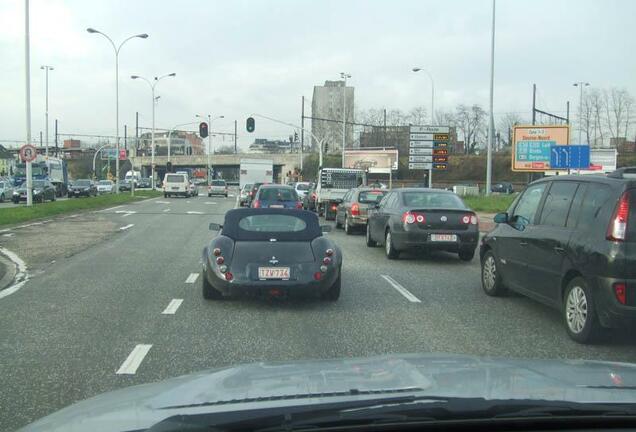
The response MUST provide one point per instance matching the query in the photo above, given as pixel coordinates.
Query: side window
(557, 203)
(528, 204)
(576, 206)
(347, 196)
(394, 200)
(595, 200)
(385, 200)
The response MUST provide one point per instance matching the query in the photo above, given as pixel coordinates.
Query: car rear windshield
(302, 186)
(432, 200)
(176, 178)
(83, 183)
(248, 186)
(272, 223)
(368, 197)
(218, 182)
(105, 182)
(277, 194)
(39, 183)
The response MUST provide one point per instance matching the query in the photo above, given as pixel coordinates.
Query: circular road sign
(28, 153)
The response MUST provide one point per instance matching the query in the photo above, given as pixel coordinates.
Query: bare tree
(418, 116)
(618, 105)
(446, 118)
(471, 124)
(505, 125)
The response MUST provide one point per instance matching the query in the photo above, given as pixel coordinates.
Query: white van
(176, 184)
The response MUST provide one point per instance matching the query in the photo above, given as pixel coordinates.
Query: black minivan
(569, 242)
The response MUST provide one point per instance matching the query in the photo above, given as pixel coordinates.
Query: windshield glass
(432, 200)
(35, 171)
(38, 183)
(175, 178)
(82, 183)
(272, 223)
(218, 182)
(105, 183)
(302, 186)
(367, 197)
(277, 194)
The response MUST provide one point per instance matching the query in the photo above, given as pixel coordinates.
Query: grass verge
(12, 215)
(489, 204)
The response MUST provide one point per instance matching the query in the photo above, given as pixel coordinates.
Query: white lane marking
(21, 275)
(125, 211)
(73, 216)
(192, 278)
(29, 225)
(126, 227)
(47, 221)
(166, 210)
(127, 214)
(172, 307)
(7, 235)
(231, 195)
(187, 202)
(5, 230)
(210, 202)
(410, 297)
(134, 359)
(163, 202)
(194, 212)
(111, 208)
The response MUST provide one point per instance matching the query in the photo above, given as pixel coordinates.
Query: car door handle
(559, 249)
(523, 243)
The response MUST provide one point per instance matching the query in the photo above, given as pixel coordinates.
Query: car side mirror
(376, 205)
(500, 218)
(325, 228)
(215, 226)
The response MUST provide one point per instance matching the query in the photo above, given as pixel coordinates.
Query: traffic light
(295, 136)
(169, 167)
(250, 124)
(203, 130)
(326, 147)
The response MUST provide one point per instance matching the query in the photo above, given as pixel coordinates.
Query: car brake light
(257, 204)
(412, 217)
(299, 205)
(620, 292)
(326, 260)
(334, 207)
(618, 226)
(313, 196)
(317, 276)
(474, 220)
(229, 276)
(216, 252)
(355, 209)
(220, 260)
(469, 219)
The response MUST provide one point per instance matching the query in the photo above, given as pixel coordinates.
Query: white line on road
(111, 208)
(231, 195)
(210, 202)
(172, 307)
(166, 210)
(7, 235)
(128, 214)
(125, 211)
(194, 212)
(410, 297)
(126, 227)
(136, 356)
(163, 202)
(21, 276)
(192, 278)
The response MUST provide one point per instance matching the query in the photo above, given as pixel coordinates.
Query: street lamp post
(580, 85)
(491, 123)
(344, 76)
(210, 120)
(117, 49)
(152, 139)
(418, 69)
(46, 111)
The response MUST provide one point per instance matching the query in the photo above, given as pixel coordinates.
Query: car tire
(209, 292)
(491, 281)
(2, 198)
(338, 224)
(333, 293)
(579, 312)
(53, 198)
(389, 249)
(209, 196)
(165, 195)
(225, 195)
(347, 228)
(370, 241)
(466, 255)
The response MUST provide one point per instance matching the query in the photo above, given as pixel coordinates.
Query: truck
(52, 169)
(134, 176)
(331, 187)
(256, 171)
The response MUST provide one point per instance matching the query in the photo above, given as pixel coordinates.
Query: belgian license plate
(276, 206)
(273, 272)
(443, 237)
(175, 187)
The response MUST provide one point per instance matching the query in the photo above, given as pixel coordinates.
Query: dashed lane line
(126, 227)
(192, 278)
(172, 307)
(134, 359)
(406, 293)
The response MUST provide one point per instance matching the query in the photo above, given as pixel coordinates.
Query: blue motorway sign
(570, 157)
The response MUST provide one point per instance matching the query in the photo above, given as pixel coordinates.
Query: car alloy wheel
(576, 310)
(489, 273)
(347, 227)
(391, 252)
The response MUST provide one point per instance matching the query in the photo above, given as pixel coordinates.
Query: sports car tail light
(326, 260)
(313, 196)
(355, 209)
(334, 207)
(229, 276)
(618, 226)
(469, 219)
(257, 204)
(620, 291)
(216, 252)
(323, 268)
(412, 217)
(220, 260)
(317, 276)
(329, 252)
(223, 268)
(299, 205)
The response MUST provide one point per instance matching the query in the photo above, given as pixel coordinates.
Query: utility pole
(302, 130)
(344, 76)
(580, 85)
(46, 111)
(534, 104)
(57, 149)
(27, 73)
(235, 139)
(384, 131)
(491, 124)
(137, 133)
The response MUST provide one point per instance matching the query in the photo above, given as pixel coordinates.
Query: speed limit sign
(28, 153)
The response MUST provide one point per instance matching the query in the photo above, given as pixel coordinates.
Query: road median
(13, 215)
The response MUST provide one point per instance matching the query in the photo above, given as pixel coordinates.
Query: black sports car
(271, 252)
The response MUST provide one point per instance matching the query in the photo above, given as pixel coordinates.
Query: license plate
(273, 272)
(443, 237)
(276, 206)
(175, 188)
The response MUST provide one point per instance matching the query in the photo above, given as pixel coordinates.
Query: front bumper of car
(79, 192)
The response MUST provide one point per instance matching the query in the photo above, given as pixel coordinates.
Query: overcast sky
(234, 58)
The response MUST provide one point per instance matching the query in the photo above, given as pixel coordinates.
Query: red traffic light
(203, 129)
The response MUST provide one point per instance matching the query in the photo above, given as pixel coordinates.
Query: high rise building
(327, 104)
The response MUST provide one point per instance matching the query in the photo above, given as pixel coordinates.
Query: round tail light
(216, 252)
(317, 276)
(323, 268)
(220, 260)
(229, 276)
(223, 268)
(329, 252)
(326, 260)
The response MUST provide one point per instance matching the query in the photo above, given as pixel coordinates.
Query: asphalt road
(66, 334)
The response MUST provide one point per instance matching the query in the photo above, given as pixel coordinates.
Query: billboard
(375, 160)
(531, 146)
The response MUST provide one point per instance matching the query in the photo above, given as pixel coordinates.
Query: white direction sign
(420, 151)
(422, 137)
(420, 158)
(424, 165)
(430, 129)
(426, 144)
